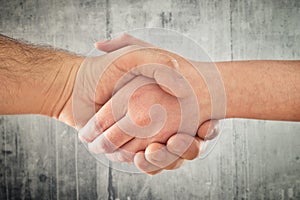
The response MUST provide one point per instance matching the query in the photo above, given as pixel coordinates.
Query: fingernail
(209, 134)
(175, 64)
(212, 133)
(80, 136)
(100, 43)
(160, 156)
(180, 147)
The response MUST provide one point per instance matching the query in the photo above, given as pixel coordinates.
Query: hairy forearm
(33, 79)
(262, 89)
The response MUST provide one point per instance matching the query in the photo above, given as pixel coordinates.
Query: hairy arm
(33, 79)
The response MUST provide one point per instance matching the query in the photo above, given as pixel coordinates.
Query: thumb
(208, 130)
(119, 42)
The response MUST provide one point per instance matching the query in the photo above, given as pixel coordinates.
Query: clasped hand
(142, 105)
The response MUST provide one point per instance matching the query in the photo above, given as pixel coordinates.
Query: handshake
(141, 104)
(144, 105)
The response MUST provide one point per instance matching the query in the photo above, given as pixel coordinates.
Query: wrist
(196, 77)
(34, 80)
(58, 100)
(224, 91)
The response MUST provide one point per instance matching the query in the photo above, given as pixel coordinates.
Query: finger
(103, 119)
(142, 164)
(113, 138)
(165, 78)
(208, 130)
(183, 145)
(158, 155)
(112, 111)
(95, 83)
(127, 63)
(127, 152)
(125, 129)
(120, 130)
(119, 42)
(124, 40)
(121, 155)
(99, 83)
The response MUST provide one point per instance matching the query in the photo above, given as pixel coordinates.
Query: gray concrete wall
(42, 159)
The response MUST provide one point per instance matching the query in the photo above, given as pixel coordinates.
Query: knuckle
(125, 36)
(136, 96)
(143, 121)
(98, 125)
(105, 146)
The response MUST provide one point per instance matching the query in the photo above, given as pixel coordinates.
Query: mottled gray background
(42, 159)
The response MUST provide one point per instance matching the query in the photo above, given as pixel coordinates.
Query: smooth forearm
(262, 89)
(35, 80)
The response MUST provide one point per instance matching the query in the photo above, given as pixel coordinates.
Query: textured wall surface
(41, 158)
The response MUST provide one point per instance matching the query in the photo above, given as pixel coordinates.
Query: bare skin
(254, 89)
(252, 86)
(41, 81)
(35, 80)
(38, 80)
